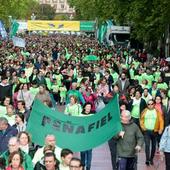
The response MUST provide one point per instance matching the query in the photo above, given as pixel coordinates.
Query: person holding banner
(73, 108)
(75, 92)
(86, 156)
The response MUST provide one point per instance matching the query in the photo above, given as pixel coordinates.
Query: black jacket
(143, 105)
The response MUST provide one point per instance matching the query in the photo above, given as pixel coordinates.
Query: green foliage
(23, 9)
(16, 8)
(61, 17)
(147, 18)
(45, 12)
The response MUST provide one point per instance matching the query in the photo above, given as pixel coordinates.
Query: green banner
(75, 133)
(102, 32)
(88, 26)
(14, 28)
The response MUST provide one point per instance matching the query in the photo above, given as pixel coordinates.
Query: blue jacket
(164, 144)
(5, 136)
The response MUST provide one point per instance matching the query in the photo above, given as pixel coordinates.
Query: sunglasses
(150, 103)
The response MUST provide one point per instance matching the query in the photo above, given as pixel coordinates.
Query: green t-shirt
(75, 72)
(132, 73)
(28, 71)
(13, 88)
(55, 88)
(23, 80)
(157, 75)
(97, 78)
(149, 78)
(34, 90)
(58, 78)
(150, 119)
(136, 63)
(109, 56)
(162, 86)
(73, 110)
(139, 78)
(136, 111)
(115, 76)
(154, 93)
(63, 91)
(48, 81)
(3, 111)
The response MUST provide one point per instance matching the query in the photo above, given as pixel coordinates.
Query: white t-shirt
(39, 154)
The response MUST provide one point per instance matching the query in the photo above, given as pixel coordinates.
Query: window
(62, 6)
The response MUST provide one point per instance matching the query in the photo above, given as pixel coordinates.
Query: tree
(23, 9)
(148, 18)
(45, 12)
(16, 8)
(61, 17)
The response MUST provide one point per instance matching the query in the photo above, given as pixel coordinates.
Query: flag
(14, 28)
(108, 32)
(101, 33)
(3, 31)
(78, 133)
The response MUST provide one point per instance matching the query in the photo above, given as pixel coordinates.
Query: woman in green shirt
(73, 108)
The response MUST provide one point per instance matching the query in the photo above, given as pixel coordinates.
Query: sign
(22, 26)
(120, 29)
(87, 26)
(19, 42)
(76, 133)
(53, 25)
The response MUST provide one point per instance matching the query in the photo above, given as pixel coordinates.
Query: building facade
(61, 6)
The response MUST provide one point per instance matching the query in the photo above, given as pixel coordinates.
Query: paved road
(101, 159)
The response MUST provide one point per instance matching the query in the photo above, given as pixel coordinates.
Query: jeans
(167, 160)
(86, 157)
(113, 150)
(127, 163)
(150, 136)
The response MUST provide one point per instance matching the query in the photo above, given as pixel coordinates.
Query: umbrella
(90, 58)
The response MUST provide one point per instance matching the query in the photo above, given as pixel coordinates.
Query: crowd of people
(52, 69)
